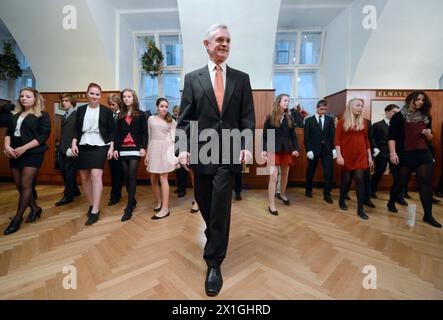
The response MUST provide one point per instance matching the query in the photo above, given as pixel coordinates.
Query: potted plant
(152, 59)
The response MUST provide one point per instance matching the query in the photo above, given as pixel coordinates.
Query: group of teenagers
(217, 97)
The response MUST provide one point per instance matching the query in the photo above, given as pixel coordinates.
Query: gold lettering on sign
(392, 93)
(78, 95)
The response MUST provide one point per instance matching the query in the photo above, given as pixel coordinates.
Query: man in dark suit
(68, 163)
(319, 144)
(215, 98)
(381, 137)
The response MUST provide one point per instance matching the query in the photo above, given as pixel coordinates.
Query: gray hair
(212, 29)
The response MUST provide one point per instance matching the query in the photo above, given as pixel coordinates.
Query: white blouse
(19, 125)
(91, 132)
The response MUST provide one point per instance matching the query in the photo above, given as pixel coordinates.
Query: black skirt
(92, 157)
(32, 158)
(414, 158)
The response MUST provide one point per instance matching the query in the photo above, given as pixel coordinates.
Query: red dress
(354, 146)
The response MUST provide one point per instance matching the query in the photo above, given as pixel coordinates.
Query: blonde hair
(351, 121)
(276, 112)
(37, 108)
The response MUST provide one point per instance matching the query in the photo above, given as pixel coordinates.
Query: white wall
(60, 59)
(253, 26)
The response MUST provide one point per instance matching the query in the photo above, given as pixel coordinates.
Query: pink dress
(161, 152)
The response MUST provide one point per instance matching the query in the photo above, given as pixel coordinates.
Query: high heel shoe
(127, 215)
(89, 211)
(34, 215)
(93, 218)
(275, 213)
(194, 210)
(154, 217)
(13, 226)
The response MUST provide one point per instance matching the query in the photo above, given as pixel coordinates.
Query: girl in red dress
(353, 152)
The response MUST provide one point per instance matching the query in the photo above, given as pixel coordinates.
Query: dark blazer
(381, 137)
(198, 103)
(285, 138)
(397, 133)
(298, 119)
(105, 123)
(38, 128)
(315, 138)
(137, 129)
(68, 132)
(371, 135)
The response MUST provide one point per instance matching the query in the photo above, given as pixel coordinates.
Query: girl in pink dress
(160, 158)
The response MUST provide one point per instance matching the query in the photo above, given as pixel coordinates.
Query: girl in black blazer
(285, 147)
(92, 144)
(25, 146)
(130, 141)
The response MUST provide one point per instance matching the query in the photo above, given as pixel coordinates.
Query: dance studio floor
(312, 250)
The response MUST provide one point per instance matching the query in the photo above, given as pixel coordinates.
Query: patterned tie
(218, 87)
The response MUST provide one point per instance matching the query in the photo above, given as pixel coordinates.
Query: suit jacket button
(221, 122)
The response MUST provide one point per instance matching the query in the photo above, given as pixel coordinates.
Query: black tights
(24, 182)
(130, 167)
(424, 185)
(346, 179)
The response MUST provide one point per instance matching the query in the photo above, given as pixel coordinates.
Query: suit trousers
(182, 179)
(68, 168)
(213, 194)
(117, 178)
(326, 159)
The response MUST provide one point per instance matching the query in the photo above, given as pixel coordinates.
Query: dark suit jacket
(315, 138)
(285, 138)
(381, 137)
(105, 123)
(68, 132)
(32, 128)
(198, 103)
(371, 135)
(137, 129)
(298, 119)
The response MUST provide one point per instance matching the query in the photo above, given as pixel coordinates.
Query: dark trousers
(68, 168)
(213, 194)
(238, 185)
(182, 179)
(381, 164)
(326, 159)
(117, 178)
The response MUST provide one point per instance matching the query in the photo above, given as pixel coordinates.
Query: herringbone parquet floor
(312, 250)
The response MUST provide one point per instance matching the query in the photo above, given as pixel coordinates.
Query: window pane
(141, 46)
(310, 48)
(148, 92)
(171, 49)
(283, 82)
(308, 89)
(286, 45)
(171, 87)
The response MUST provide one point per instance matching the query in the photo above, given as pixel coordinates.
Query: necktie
(65, 116)
(320, 120)
(115, 116)
(218, 87)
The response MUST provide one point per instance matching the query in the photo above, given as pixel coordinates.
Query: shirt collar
(387, 120)
(211, 66)
(68, 113)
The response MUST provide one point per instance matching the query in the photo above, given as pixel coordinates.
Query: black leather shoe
(275, 213)
(34, 215)
(308, 194)
(93, 218)
(127, 215)
(113, 201)
(277, 195)
(347, 197)
(362, 215)
(328, 199)
(154, 217)
(181, 194)
(435, 201)
(194, 210)
(63, 201)
(391, 207)
(285, 201)
(342, 205)
(439, 194)
(214, 281)
(370, 204)
(374, 195)
(238, 196)
(407, 196)
(402, 202)
(13, 226)
(89, 211)
(432, 221)
(158, 209)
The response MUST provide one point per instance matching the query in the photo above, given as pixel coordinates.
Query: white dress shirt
(212, 71)
(19, 125)
(91, 132)
(317, 116)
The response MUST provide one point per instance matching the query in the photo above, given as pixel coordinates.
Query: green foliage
(152, 60)
(9, 65)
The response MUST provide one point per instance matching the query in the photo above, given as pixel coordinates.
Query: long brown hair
(276, 112)
(38, 106)
(168, 116)
(135, 105)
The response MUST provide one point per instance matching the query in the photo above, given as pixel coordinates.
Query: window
(166, 85)
(297, 63)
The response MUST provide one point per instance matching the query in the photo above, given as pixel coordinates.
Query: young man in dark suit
(68, 163)
(319, 144)
(215, 97)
